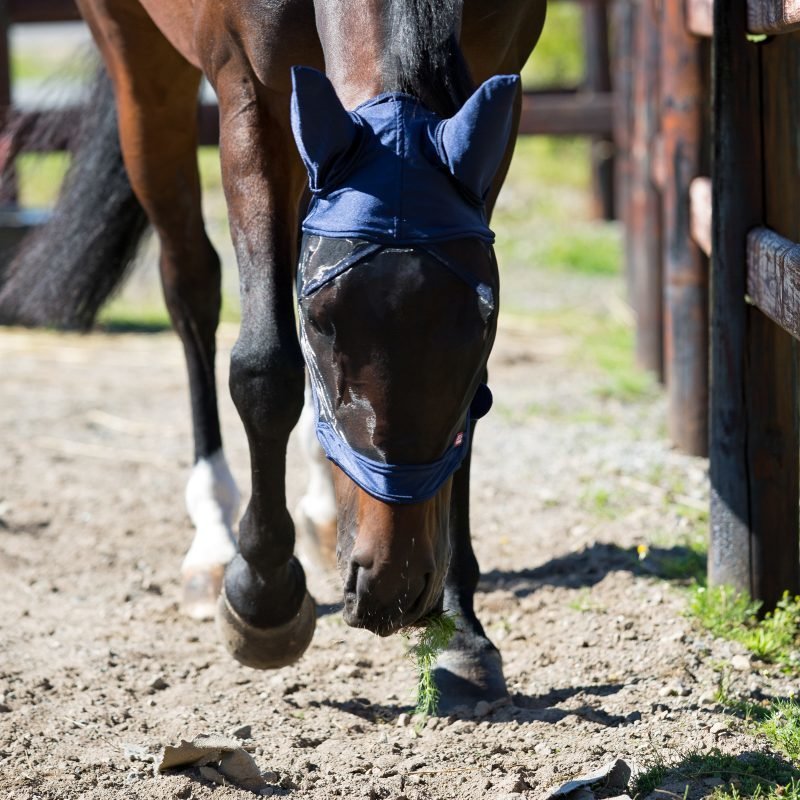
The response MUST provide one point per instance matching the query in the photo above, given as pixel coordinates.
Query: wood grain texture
(567, 114)
(773, 440)
(773, 16)
(736, 208)
(754, 420)
(773, 277)
(685, 266)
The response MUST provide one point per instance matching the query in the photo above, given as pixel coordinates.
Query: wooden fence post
(597, 79)
(754, 415)
(644, 218)
(685, 268)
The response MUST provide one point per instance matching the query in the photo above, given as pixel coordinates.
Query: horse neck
(374, 46)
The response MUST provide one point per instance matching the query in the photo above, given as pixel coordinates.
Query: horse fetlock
(271, 647)
(211, 492)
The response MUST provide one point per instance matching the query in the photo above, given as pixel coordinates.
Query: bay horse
(356, 121)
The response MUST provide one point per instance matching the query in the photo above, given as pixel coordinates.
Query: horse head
(397, 295)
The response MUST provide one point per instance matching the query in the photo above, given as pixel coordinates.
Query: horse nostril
(362, 558)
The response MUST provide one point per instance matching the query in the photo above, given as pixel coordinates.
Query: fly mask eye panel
(391, 179)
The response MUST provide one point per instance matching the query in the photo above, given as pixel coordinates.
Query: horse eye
(320, 324)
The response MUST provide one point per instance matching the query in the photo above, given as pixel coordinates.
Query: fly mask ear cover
(392, 173)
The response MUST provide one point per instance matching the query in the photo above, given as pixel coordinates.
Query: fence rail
(773, 16)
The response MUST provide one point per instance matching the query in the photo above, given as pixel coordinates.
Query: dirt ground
(98, 669)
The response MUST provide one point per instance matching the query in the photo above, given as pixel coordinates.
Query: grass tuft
(432, 637)
(749, 775)
(732, 615)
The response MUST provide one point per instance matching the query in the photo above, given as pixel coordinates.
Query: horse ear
(471, 144)
(323, 129)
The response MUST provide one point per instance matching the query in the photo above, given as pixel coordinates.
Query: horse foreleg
(470, 669)
(266, 616)
(156, 92)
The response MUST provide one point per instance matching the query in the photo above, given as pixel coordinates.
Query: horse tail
(69, 266)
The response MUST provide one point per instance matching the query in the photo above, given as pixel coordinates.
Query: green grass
(431, 638)
(558, 57)
(600, 342)
(749, 775)
(781, 726)
(731, 615)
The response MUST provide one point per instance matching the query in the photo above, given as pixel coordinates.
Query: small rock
(711, 782)
(403, 720)
(4, 709)
(244, 732)
(159, 684)
(708, 699)
(270, 776)
(543, 749)
(482, 709)
(741, 663)
(718, 728)
(184, 793)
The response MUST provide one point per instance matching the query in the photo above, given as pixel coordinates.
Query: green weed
(733, 615)
(781, 726)
(750, 775)
(432, 637)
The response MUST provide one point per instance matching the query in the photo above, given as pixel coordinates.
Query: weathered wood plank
(700, 17)
(773, 277)
(736, 208)
(685, 267)
(773, 439)
(700, 201)
(570, 114)
(773, 16)
(754, 420)
(645, 204)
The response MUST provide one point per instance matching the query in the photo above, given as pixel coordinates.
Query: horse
(360, 166)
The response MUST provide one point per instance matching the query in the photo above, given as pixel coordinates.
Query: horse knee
(266, 384)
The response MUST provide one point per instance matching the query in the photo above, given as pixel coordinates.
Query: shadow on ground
(589, 566)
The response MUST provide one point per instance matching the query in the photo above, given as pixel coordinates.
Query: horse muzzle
(384, 604)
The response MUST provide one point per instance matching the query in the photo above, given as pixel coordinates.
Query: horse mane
(423, 57)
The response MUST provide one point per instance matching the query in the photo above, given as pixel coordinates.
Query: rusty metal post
(685, 266)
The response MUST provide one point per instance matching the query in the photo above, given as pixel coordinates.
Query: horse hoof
(466, 676)
(316, 541)
(266, 648)
(200, 591)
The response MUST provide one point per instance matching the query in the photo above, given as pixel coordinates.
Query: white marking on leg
(319, 501)
(212, 500)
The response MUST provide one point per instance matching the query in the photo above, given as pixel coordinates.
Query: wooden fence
(585, 110)
(662, 75)
(755, 298)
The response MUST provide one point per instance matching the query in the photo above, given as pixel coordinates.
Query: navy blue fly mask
(393, 175)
